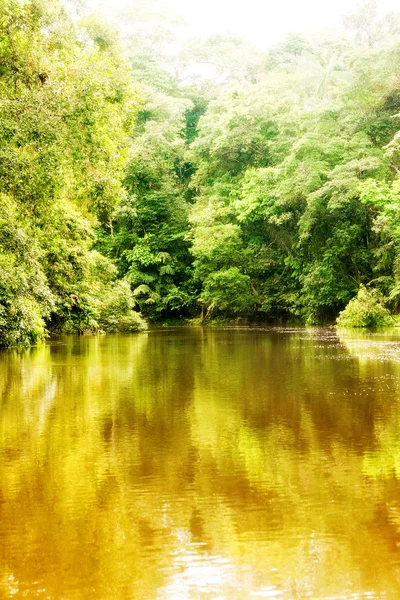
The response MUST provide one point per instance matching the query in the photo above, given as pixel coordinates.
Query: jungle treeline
(145, 177)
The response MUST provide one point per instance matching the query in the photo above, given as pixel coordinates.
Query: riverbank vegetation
(142, 177)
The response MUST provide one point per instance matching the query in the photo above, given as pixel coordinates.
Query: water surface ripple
(201, 464)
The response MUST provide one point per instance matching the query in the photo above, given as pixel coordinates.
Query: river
(195, 463)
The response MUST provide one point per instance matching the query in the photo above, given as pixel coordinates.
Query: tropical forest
(145, 179)
(199, 300)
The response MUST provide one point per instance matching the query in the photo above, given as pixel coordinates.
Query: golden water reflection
(191, 463)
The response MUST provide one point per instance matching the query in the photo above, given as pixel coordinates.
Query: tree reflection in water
(197, 463)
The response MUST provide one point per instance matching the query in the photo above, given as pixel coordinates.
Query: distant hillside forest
(145, 180)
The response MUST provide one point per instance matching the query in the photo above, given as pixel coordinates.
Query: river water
(201, 464)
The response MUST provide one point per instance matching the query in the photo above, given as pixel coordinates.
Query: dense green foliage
(65, 111)
(263, 187)
(367, 309)
(296, 179)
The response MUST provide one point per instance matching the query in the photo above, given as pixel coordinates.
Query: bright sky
(264, 22)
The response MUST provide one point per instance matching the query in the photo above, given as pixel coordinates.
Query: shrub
(227, 291)
(367, 309)
(116, 312)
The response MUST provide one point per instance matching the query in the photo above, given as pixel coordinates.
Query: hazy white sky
(263, 21)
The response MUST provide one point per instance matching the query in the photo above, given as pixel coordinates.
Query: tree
(371, 28)
(65, 110)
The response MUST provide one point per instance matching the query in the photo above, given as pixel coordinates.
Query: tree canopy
(205, 179)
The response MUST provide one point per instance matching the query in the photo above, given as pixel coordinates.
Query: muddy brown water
(191, 463)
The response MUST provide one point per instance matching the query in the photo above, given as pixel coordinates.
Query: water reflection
(200, 464)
